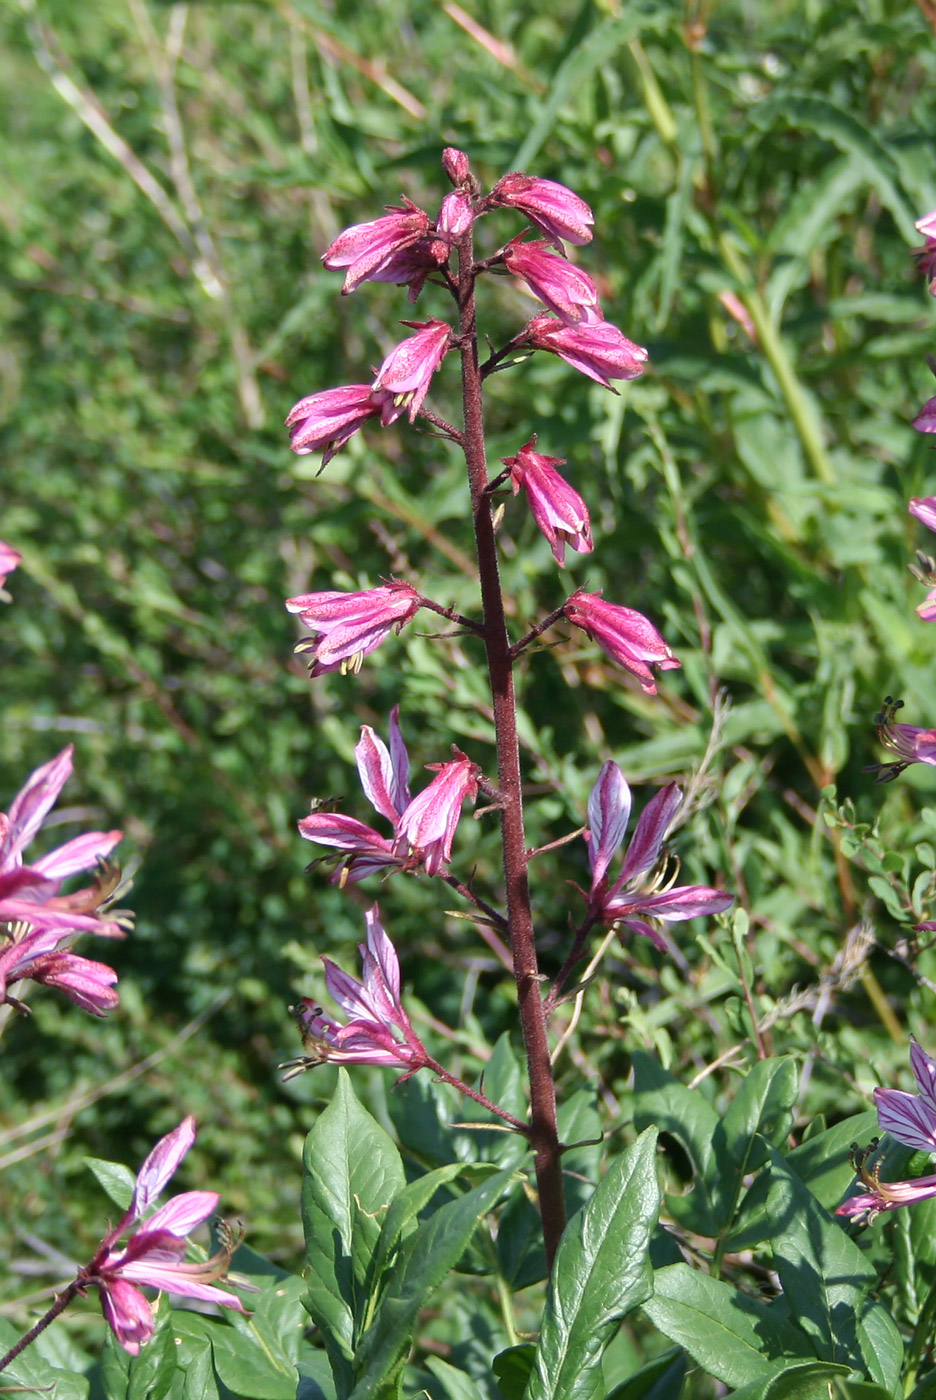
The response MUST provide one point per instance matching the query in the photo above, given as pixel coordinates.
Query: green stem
(922, 1336)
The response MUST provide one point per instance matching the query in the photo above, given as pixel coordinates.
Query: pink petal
(81, 853)
(609, 809)
(32, 802)
(184, 1213)
(128, 1313)
(160, 1165)
(655, 820)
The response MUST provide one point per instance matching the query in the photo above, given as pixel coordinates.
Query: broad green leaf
(760, 1110)
(31, 1371)
(881, 1346)
(243, 1362)
(601, 1271)
(315, 1376)
(423, 1262)
(810, 1381)
(454, 1384)
(661, 1379)
(597, 48)
(194, 1377)
(826, 1278)
(730, 1335)
(924, 1389)
(352, 1172)
(859, 1390)
(404, 1210)
(513, 1368)
(117, 1180)
(662, 1102)
(421, 1111)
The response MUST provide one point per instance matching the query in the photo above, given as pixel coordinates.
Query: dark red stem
(442, 1074)
(543, 1134)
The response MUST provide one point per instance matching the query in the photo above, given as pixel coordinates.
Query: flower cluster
(638, 893)
(911, 1119)
(154, 1254)
(423, 826)
(37, 921)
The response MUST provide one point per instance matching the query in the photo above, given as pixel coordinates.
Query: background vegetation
(172, 176)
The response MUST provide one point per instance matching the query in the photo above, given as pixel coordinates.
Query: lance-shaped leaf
(601, 1272)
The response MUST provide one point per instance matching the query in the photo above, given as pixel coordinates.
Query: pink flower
(925, 421)
(627, 636)
(565, 289)
(154, 1254)
(924, 508)
(595, 348)
(384, 775)
(378, 1030)
(412, 266)
(926, 256)
(429, 821)
(886, 1195)
(10, 559)
(910, 744)
(553, 208)
(558, 510)
(911, 1118)
(456, 165)
(31, 893)
(404, 377)
(349, 626)
(325, 421)
(365, 249)
(455, 217)
(36, 954)
(609, 807)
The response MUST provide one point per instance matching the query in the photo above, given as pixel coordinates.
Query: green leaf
(760, 1110)
(661, 1101)
(513, 1368)
(405, 1208)
(118, 1181)
(242, 1361)
(826, 1278)
(807, 1382)
(31, 1371)
(859, 1390)
(315, 1377)
(660, 1379)
(423, 1262)
(503, 1084)
(733, 1337)
(352, 1174)
(602, 1270)
(454, 1384)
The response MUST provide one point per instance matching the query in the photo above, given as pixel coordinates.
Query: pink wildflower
(609, 808)
(911, 1119)
(349, 626)
(455, 217)
(154, 1254)
(36, 954)
(412, 266)
(627, 636)
(595, 348)
(886, 1195)
(365, 249)
(554, 209)
(32, 893)
(456, 165)
(404, 377)
(909, 743)
(428, 824)
(378, 1030)
(384, 775)
(10, 559)
(326, 420)
(558, 510)
(564, 288)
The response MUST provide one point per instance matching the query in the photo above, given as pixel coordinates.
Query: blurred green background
(172, 175)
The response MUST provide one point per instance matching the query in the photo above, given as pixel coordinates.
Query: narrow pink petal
(906, 1118)
(347, 833)
(685, 902)
(350, 994)
(81, 853)
(175, 1278)
(401, 764)
(184, 1213)
(609, 809)
(924, 1072)
(160, 1165)
(384, 953)
(924, 508)
(375, 769)
(31, 804)
(655, 821)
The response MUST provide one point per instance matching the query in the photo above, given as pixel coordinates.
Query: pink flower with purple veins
(910, 1119)
(555, 210)
(378, 1030)
(625, 635)
(595, 348)
(31, 894)
(324, 422)
(154, 1254)
(38, 955)
(428, 824)
(910, 743)
(384, 775)
(557, 508)
(404, 377)
(366, 249)
(629, 898)
(349, 626)
(561, 286)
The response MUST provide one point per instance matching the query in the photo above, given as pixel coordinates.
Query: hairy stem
(543, 1134)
